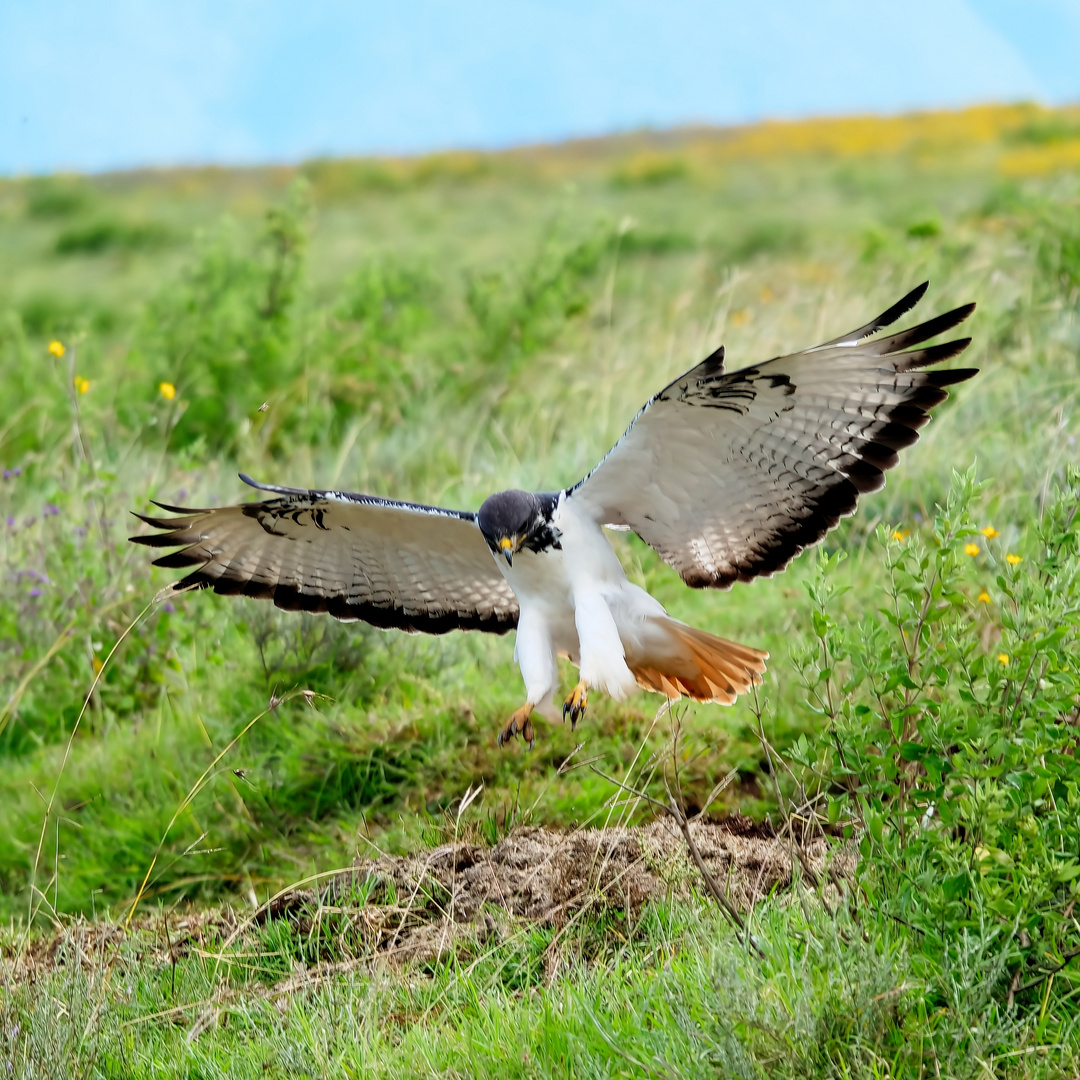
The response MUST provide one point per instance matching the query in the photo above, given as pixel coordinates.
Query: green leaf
(912, 751)
(956, 886)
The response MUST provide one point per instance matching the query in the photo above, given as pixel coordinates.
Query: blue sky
(98, 84)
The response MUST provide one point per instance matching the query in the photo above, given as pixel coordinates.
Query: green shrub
(108, 234)
(639, 241)
(951, 740)
(385, 309)
(57, 197)
(47, 314)
(226, 334)
(924, 230)
(768, 238)
(519, 311)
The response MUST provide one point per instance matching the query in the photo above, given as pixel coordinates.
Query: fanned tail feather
(696, 664)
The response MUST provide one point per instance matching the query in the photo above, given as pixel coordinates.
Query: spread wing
(392, 564)
(730, 475)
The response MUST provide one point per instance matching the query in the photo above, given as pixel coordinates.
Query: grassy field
(435, 329)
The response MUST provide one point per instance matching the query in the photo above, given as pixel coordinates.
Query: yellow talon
(519, 722)
(575, 704)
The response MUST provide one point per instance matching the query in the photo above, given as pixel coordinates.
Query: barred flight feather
(730, 475)
(395, 565)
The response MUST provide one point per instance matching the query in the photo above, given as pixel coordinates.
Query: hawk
(727, 475)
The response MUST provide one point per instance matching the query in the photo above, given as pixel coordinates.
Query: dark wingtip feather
(866, 476)
(277, 489)
(193, 581)
(178, 559)
(157, 523)
(932, 354)
(964, 311)
(901, 307)
(886, 318)
(187, 510)
(166, 539)
(713, 364)
(954, 375)
(923, 332)
(171, 528)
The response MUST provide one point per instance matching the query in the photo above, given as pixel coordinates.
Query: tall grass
(668, 993)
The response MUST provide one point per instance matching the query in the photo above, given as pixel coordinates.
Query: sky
(93, 85)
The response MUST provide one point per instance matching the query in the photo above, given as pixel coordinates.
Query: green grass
(436, 330)
(667, 994)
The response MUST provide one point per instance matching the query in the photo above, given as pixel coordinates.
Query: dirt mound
(416, 905)
(421, 906)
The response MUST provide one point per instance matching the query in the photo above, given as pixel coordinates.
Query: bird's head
(509, 519)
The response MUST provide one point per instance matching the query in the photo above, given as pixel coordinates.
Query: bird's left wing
(730, 475)
(392, 564)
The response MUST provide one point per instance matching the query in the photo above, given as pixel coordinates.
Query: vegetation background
(439, 327)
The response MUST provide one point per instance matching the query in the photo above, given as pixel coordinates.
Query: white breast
(576, 601)
(543, 589)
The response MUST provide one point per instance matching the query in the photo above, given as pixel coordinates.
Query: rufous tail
(693, 663)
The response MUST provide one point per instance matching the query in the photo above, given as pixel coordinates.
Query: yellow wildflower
(81, 384)
(971, 549)
(983, 597)
(1003, 658)
(57, 349)
(1013, 560)
(901, 534)
(990, 532)
(167, 390)
(97, 664)
(740, 317)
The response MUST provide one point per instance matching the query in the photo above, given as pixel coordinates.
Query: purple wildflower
(168, 606)
(35, 592)
(9, 521)
(11, 473)
(51, 510)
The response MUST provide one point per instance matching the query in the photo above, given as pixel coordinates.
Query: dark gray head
(509, 520)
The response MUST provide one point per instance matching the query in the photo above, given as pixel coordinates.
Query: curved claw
(519, 722)
(576, 703)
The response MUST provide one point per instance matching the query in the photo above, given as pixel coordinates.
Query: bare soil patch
(424, 901)
(420, 906)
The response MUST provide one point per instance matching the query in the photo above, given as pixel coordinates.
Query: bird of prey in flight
(728, 475)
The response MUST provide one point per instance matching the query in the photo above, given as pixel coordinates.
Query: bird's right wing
(392, 564)
(729, 475)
